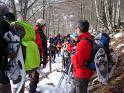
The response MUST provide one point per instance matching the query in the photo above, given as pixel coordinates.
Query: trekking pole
(63, 75)
(61, 79)
(70, 68)
(70, 73)
(50, 61)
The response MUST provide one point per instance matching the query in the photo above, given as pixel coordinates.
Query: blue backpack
(100, 41)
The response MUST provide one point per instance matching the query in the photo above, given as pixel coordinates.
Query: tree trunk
(14, 8)
(105, 10)
(43, 9)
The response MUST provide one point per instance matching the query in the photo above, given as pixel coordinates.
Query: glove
(74, 47)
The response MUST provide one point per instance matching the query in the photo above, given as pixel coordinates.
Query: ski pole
(61, 79)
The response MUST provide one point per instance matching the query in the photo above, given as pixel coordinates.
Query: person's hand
(64, 48)
(74, 47)
(72, 55)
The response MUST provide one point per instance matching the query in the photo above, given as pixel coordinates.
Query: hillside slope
(116, 84)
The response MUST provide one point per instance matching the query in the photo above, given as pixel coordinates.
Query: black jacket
(4, 27)
(44, 45)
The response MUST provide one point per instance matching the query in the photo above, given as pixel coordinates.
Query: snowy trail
(49, 85)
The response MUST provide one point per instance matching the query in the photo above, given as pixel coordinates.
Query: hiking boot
(37, 92)
(33, 89)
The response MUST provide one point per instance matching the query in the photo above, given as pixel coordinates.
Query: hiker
(81, 57)
(39, 28)
(69, 47)
(59, 46)
(65, 55)
(29, 49)
(4, 80)
(52, 48)
(72, 45)
(7, 23)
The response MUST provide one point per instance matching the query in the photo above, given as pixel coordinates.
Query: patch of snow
(55, 66)
(49, 89)
(48, 44)
(53, 78)
(49, 84)
(118, 35)
(122, 51)
(112, 43)
(120, 45)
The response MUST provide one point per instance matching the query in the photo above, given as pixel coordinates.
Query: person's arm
(69, 47)
(81, 55)
(44, 45)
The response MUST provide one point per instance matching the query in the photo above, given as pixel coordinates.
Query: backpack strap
(86, 65)
(90, 40)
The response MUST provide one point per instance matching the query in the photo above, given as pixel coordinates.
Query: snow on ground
(120, 45)
(112, 43)
(122, 51)
(118, 35)
(49, 84)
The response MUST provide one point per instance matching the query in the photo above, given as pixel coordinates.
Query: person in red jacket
(72, 45)
(82, 55)
(41, 41)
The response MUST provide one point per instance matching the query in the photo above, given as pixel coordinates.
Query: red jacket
(59, 45)
(70, 47)
(38, 40)
(82, 55)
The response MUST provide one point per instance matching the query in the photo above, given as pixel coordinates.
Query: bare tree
(108, 13)
(101, 14)
(20, 7)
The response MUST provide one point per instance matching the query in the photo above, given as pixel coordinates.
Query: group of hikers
(33, 43)
(78, 48)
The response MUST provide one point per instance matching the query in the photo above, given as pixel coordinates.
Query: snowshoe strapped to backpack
(21, 34)
(30, 49)
(101, 41)
(101, 60)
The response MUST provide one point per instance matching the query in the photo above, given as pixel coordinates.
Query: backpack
(21, 38)
(100, 44)
(27, 35)
(101, 59)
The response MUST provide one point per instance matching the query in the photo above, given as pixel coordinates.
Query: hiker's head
(5, 13)
(82, 26)
(3, 10)
(74, 36)
(41, 23)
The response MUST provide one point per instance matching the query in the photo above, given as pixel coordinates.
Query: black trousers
(5, 88)
(80, 86)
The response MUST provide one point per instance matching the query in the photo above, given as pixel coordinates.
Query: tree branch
(3, 3)
(31, 4)
(36, 12)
